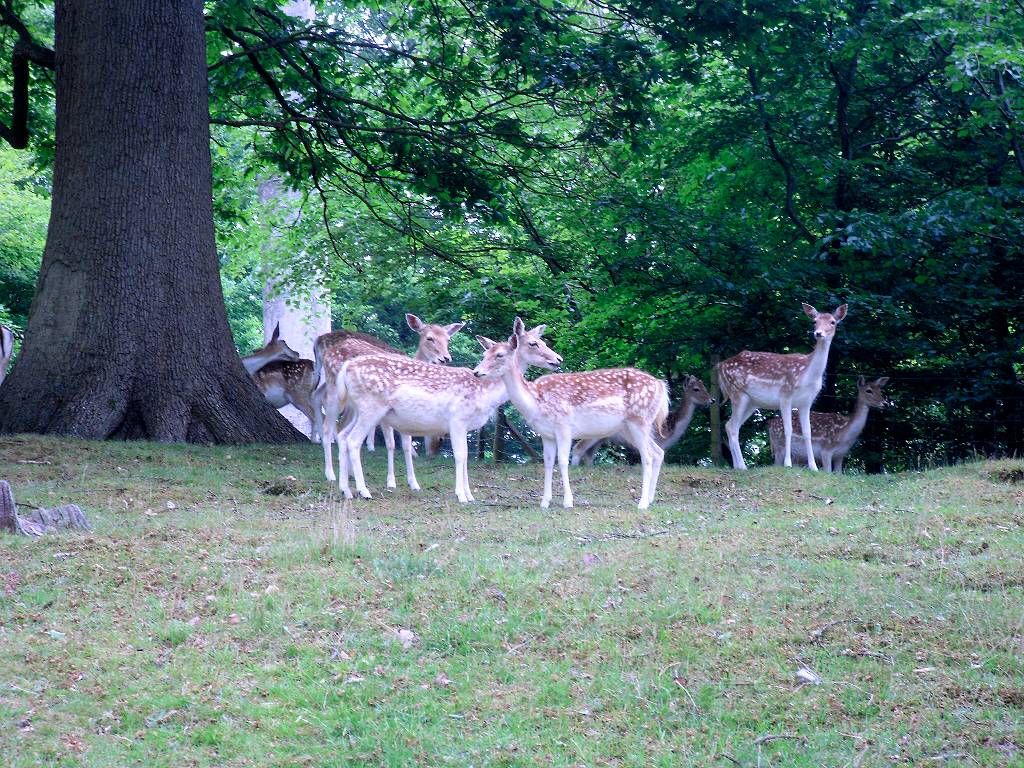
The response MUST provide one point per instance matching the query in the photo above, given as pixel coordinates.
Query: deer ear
(276, 333)
(861, 382)
(518, 326)
(514, 341)
(414, 322)
(453, 329)
(539, 330)
(840, 312)
(810, 311)
(882, 381)
(485, 342)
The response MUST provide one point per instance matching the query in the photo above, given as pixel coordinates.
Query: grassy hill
(229, 610)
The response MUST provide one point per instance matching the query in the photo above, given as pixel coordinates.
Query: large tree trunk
(128, 335)
(299, 317)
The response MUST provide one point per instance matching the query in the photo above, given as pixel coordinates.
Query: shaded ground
(229, 611)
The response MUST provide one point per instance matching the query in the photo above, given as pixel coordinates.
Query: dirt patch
(1011, 475)
(286, 486)
(1013, 697)
(994, 581)
(701, 482)
(855, 554)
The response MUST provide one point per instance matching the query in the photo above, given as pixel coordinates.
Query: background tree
(660, 182)
(128, 336)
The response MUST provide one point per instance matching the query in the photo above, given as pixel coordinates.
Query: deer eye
(533, 343)
(833, 322)
(499, 356)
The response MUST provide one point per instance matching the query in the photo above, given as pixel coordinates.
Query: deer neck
(817, 361)
(519, 390)
(685, 414)
(858, 418)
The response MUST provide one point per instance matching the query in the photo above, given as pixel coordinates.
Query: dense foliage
(661, 182)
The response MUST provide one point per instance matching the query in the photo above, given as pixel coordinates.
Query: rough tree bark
(128, 335)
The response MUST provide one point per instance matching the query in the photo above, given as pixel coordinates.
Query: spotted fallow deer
(592, 404)
(291, 382)
(416, 398)
(334, 349)
(6, 350)
(832, 434)
(678, 421)
(780, 382)
(286, 379)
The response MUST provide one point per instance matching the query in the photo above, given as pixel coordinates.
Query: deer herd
(357, 382)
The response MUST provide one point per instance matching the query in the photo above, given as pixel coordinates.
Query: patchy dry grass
(222, 614)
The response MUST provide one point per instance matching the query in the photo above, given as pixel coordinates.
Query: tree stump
(39, 521)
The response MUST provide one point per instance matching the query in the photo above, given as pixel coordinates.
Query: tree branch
(784, 164)
(26, 50)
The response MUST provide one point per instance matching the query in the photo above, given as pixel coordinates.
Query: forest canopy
(660, 182)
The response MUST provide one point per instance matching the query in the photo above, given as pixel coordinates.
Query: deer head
(693, 389)
(433, 347)
(871, 392)
(527, 344)
(275, 350)
(278, 349)
(824, 322)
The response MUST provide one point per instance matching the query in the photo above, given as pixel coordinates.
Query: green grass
(240, 628)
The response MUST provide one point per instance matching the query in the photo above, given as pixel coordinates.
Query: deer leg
(805, 426)
(465, 471)
(344, 438)
(642, 441)
(460, 448)
(826, 461)
(410, 472)
(316, 417)
(389, 443)
(741, 410)
(786, 412)
(370, 438)
(336, 421)
(564, 443)
(549, 468)
(837, 464)
(329, 431)
(361, 425)
(328, 460)
(659, 458)
(343, 462)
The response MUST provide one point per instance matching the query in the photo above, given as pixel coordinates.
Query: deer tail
(333, 384)
(341, 387)
(661, 394)
(724, 383)
(318, 362)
